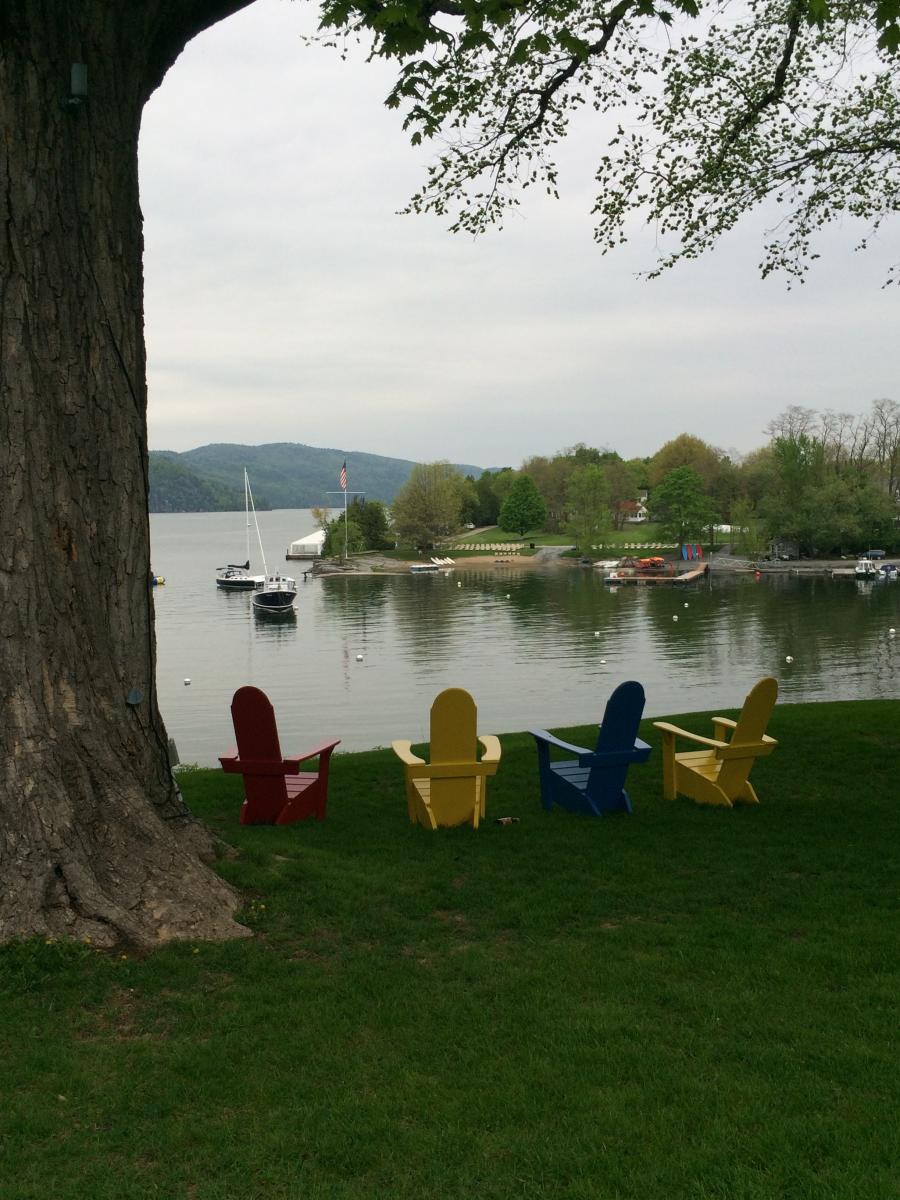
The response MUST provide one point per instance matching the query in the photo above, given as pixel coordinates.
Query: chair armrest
(230, 762)
(403, 750)
(541, 735)
(491, 746)
(325, 748)
(235, 765)
(725, 721)
(639, 752)
(691, 737)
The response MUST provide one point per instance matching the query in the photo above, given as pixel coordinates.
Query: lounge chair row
(638, 546)
(451, 787)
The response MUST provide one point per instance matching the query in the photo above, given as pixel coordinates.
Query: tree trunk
(95, 840)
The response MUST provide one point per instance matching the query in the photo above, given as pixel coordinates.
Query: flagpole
(343, 478)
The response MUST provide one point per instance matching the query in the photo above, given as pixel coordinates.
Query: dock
(639, 577)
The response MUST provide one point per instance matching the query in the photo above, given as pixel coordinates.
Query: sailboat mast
(262, 553)
(247, 513)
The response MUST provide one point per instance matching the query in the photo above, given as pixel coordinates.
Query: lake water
(520, 639)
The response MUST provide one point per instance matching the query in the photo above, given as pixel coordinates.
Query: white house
(635, 511)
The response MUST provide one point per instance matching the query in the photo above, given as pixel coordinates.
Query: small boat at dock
(630, 575)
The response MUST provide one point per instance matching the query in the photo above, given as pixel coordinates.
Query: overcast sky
(286, 300)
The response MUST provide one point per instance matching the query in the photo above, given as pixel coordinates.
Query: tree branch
(549, 90)
(175, 23)
(774, 93)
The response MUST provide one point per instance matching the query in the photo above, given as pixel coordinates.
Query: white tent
(307, 547)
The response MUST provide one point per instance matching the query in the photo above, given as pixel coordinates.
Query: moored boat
(277, 595)
(236, 577)
(277, 592)
(866, 569)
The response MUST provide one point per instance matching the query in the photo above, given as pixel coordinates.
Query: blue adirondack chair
(594, 782)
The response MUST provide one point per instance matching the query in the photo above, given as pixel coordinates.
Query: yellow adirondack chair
(450, 789)
(720, 773)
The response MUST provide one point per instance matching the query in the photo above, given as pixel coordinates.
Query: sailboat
(278, 592)
(236, 577)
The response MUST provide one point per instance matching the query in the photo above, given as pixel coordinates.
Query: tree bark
(95, 840)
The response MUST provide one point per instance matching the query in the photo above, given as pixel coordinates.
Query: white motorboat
(866, 569)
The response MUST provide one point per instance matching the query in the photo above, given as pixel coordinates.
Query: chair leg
(669, 790)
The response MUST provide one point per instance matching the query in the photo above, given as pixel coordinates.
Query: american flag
(344, 476)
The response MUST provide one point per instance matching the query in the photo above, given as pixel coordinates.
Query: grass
(688, 1002)
(495, 535)
(613, 539)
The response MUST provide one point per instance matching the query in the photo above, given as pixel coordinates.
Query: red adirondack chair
(277, 792)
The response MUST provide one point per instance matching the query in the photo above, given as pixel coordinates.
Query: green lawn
(689, 1002)
(648, 531)
(612, 538)
(495, 535)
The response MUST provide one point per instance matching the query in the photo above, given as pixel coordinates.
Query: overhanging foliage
(711, 110)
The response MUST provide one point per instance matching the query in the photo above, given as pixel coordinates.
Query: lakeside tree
(682, 505)
(371, 519)
(337, 541)
(95, 839)
(349, 539)
(427, 508)
(367, 528)
(524, 507)
(623, 481)
(588, 501)
(488, 501)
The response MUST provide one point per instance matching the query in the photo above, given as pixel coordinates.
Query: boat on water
(236, 577)
(276, 596)
(277, 592)
(866, 569)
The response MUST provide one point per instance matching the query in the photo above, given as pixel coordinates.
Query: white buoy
(187, 683)
(891, 632)
(602, 662)
(359, 658)
(507, 595)
(789, 658)
(596, 633)
(685, 604)
(675, 617)
(459, 583)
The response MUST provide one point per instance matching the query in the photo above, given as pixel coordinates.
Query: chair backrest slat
(618, 730)
(254, 725)
(453, 727)
(751, 725)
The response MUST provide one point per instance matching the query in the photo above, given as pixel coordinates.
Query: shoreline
(720, 564)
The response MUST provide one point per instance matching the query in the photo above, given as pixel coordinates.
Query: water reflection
(363, 657)
(274, 629)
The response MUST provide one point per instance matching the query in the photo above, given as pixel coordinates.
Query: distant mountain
(176, 488)
(282, 475)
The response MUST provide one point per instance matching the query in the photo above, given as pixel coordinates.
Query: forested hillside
(176, 488)
(282, 474)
